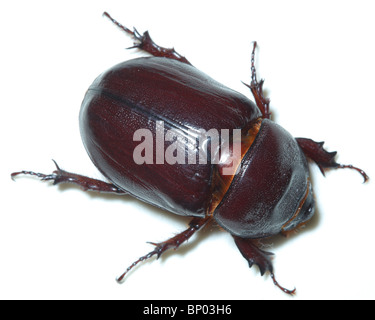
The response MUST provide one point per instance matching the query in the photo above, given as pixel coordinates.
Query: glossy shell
(134, 95)
(269, 188)
(272, 181)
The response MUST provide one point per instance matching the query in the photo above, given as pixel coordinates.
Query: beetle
(268, 188)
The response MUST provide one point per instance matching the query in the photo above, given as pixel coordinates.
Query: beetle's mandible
(269, 190)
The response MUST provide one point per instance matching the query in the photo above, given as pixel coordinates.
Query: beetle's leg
(254, 255)
(172, 243)
(145, 43)
(324, 159)
(87, 184)
(257, 89)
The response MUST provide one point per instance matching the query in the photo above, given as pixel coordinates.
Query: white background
(59, 243)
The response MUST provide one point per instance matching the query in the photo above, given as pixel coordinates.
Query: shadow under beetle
(270, 191)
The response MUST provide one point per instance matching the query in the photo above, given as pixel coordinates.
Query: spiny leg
(324, 159)
(257, 88)
(145, 43)
(87, 184)
(172, 243)
(254, 255)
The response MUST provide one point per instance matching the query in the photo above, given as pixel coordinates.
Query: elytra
(221, 157)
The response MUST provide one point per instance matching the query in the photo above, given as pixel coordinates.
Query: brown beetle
(268, 189)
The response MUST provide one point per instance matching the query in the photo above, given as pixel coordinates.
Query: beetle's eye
(309, 212)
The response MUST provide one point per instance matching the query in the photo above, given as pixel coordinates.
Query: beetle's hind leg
(60, 176)
(172, 243)
(254, 255)
(145, 43)
(324, 159)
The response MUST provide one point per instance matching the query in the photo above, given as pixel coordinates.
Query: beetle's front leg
(254, 255)
(87, 184)
(145, 43)
(324, 159)
(172, 243)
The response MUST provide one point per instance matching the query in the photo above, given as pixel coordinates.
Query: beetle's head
(304, 213)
